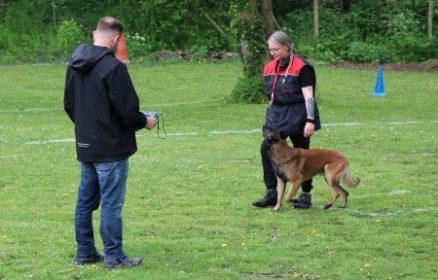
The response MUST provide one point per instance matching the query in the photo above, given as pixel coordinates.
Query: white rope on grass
(176, 134)
(233, 132)
(30, 110)
(149, 105)
(387, 214)
(50, 141)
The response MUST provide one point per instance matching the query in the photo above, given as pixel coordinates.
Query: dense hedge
(366, 31)
(355, 30)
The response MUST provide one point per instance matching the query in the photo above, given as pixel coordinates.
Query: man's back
(100, 99)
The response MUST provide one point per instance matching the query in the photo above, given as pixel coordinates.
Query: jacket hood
(86, 56)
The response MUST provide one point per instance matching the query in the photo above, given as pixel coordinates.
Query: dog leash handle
(160, 122)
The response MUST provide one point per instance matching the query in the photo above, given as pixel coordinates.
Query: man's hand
(150, 123)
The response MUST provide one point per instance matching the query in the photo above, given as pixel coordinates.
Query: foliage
(24, 34)
(188, 209)
(161, 21)
(249, 90)
(68, 36)
(368, 31)
(137, 45)
(249, 29)
(360, 30)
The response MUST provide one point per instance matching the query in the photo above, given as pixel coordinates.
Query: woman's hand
(309, 128)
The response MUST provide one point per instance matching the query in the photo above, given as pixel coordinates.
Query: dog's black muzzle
(271, 136)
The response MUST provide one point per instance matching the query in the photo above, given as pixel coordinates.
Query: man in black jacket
(101, 101)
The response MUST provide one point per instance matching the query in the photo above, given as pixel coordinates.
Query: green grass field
(188, 211)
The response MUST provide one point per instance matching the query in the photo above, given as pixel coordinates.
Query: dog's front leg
(281, 184)
(293, 191)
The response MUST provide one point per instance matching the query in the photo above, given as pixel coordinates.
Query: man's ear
(115, 43)
(117, 38)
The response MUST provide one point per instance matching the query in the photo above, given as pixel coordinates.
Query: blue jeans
(104, 184)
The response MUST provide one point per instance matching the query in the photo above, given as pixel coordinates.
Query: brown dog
(298, 165)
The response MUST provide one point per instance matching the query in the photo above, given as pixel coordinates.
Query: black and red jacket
(287, 111)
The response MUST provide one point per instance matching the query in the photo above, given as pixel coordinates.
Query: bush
(249, 90)
(362, 52)
(137, 45)
(68, 35)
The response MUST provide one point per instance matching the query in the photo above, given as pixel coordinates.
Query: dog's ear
(266, 130)
(268, 133)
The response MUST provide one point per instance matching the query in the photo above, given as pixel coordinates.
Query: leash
(159, 123)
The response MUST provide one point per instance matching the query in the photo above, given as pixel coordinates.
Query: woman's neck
(284, 62)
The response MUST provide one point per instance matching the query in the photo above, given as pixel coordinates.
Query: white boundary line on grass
(233, 132)
(396, 192)
(38, 109)
(29, 110)
(388, 214)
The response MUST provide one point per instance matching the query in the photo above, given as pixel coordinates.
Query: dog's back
(299, 165)
(310, 162)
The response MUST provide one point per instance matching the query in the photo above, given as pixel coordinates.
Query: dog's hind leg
(346, 178)
(281, 185)
(344, 195)
(333, 183)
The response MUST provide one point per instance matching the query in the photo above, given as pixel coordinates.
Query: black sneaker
(129, 262)
(270, 199)
(303, 202)
(95, 259)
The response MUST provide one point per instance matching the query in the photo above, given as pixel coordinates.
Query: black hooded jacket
(102, 103)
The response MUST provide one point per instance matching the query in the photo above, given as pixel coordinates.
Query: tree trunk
(316, 18)
(258, 26)
(253, 10)
(430, 19)
(54, 13)
(268, 17)
(253, 27)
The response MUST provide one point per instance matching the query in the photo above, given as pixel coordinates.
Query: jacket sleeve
(68, 99)
(124, 98)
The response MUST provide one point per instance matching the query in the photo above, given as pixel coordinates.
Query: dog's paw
(276, 208)
(327, 206)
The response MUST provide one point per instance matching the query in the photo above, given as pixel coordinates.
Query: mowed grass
(188, 210)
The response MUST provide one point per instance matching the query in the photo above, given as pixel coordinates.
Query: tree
(430, 19)
(53, 4)
(316, 18)
(268, 17)
(254, 23)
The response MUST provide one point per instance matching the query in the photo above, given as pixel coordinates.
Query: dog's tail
(350, 181)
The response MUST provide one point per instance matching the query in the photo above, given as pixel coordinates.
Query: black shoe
(270, 199)
(303, 202)
(129, 262)
(95, 259)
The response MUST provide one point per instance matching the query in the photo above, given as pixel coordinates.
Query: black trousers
(299, 141)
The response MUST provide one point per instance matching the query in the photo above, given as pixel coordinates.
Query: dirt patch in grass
(429, 66)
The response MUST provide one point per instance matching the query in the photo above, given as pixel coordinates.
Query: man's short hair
(109, 24)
